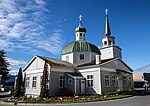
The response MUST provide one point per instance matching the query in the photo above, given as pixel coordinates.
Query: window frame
(69, 81)
(67, 58)
(62, 80)
(90, 80)
(34, 81)
(27, 82)
(83, 56)
(130, 80)
(125, 82)
(107, 79)
(113, 80)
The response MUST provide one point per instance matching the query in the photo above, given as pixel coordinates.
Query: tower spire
(107, 27)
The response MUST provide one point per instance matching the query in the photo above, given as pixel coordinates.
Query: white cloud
(24, 26)
(14, 62)
(15, 65)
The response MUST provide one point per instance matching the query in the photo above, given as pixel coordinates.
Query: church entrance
(82, 86)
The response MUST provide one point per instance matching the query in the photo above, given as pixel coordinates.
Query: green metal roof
(80, 46)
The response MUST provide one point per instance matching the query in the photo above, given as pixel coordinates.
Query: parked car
(141, 87)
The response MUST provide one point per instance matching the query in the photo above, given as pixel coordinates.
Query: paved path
(131, 101)
(4, 96)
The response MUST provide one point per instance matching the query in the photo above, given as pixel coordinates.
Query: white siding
(74, 57)
(31, 90)
(70, 57)
(96, 89)
(36, 64)
(35, 69)
(110, 52)
(106, 53)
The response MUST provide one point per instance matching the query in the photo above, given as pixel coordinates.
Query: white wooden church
(84, 68)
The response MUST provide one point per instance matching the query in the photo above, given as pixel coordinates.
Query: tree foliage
(44, 90)
(19, 85)
(3, 66)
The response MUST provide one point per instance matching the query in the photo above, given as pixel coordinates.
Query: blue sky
(44, 27)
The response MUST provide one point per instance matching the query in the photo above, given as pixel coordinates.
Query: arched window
(105, 43)
(109, 42)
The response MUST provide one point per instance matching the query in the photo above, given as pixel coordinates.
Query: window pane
(81, 56)
(107, 81)
(90, 80)
(62, 81)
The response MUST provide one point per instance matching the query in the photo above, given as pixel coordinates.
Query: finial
(80, 20)
(80, 17)
(106, 11)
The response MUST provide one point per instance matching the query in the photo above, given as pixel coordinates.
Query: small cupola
(80, 31)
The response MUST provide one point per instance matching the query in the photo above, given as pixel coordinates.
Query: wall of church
(35, 69)
(54, 79)
(106, 53)
(88, 57)
(36, 64)
(34, 90)
(122, 80)
(110, 88)
(68, 57)
(117, 52)
(96, 88)
(74, 58)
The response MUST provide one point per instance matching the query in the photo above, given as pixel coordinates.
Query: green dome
(80, 46)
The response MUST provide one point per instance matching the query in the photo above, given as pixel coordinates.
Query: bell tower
(109, 49)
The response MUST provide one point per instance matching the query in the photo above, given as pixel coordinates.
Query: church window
(105, 43)
(84, 36)
(62, 81)
(69, 81)
(113, 42)
(27, 82)
(114, 80)
(81, 57)
(67, 58)
(80, 36)
(125, 83)
(107, 80)
(41, 80)
(109, 42)
(34, 82)
(130, 81)
(89, 80)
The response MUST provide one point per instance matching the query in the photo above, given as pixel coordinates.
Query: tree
(3, 66)
(19, 85)
(44, 90)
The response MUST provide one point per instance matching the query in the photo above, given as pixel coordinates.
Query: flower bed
(67, 99)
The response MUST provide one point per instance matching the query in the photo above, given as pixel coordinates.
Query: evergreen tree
(19, 85)
(3, 66)
(44, 90)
